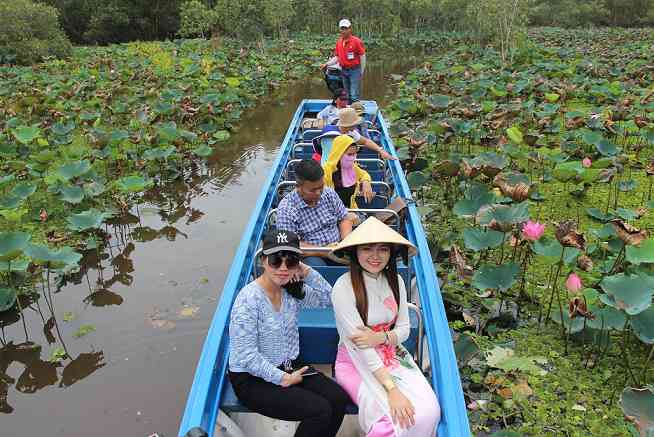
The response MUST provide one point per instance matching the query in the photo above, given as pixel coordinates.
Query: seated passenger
(344, 175)
(348, 120)
(264, 369)
(315, 213)
(322, 144)
(330, 112)
(372, 318)
(360, 110)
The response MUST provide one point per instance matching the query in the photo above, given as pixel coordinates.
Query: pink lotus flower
(586, 162)
(532, 230)
(573, 283)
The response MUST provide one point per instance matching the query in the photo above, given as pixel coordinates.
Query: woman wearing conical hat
(372, 318)
(344, 175)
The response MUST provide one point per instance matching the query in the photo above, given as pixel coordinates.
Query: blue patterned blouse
(260, 337)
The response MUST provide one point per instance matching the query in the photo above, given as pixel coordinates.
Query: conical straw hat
(371, 231)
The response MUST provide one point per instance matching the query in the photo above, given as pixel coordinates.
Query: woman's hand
(385, 155)
(366, 190)
(290, 379)
(402, 411)
(300, 273)
(367, 338)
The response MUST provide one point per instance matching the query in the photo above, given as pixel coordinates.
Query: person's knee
(321, 409)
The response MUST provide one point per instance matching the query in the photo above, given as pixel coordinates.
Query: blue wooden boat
(211, 390)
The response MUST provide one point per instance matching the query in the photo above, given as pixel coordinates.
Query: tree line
(28, 28)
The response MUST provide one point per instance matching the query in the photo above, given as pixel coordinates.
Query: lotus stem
(617, 259)
(61, 340)
(646, 366)
(625, 352)
(20, 307)
(555, 287)
(549, 281)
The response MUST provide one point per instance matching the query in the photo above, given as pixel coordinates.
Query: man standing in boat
(350, 54)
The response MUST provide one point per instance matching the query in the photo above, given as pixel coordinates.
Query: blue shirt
(316, 225)
(262, 338)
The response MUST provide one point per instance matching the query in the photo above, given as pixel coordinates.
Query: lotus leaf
(438, 101)
(416, 179)
(607, 318)
(72, 170)
(503, 217)
(494, 277)
(630, 293)
(60, 129)
(515, 134)
(476, 197)
(592, 137)
(221, 135)
(72, 194)
(16, 265)
(7, 298)
(505, 359)
(644, 253)
(4, 180)
(233, 82)
(133, 184)
(26, 134)
(643, 325)
(41, 254)
(626, 186)
(599, 215)
(606, 148)
(480, 239)
(10, 201)
(506, 433)
(168, 132)
(552, 249)
(572, 325)
(203, 151)
(90, 219)
(12, 244)
(638, 406)
(23, 190)
(162, 152)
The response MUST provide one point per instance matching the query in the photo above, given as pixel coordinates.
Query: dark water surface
(152, 299)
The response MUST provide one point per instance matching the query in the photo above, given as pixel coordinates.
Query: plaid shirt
(316, 225)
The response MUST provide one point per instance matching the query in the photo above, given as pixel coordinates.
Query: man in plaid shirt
(315, 213)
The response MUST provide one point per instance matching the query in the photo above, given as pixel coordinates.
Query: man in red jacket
(350, 55)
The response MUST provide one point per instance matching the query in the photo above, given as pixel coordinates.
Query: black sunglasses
(344, 28)
(275, 259)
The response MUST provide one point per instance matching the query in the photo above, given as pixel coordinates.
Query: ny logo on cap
(282, 238)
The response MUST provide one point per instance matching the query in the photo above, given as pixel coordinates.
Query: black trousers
(318, 402)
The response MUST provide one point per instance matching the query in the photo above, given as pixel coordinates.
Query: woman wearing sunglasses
(264, 343)
(372, 318)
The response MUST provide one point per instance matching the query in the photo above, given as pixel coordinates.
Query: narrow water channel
(151, 300)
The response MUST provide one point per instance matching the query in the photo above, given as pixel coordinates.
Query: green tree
(31, 32)
(197, 19)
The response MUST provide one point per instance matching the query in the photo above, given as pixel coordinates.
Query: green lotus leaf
(638, 405)
(168, 132)
(552, 97)
(494, 277)
(606, 148)
(221, 135)
(10, 201)
(626, 214)
(438, 101)
(232, 82)
(480, 239)
(26, 134)
(7, 298)
(606, 318)
(504, 215)
(133, 184)
(41, 254)
(567, 171)
(91, 219)
(4, 180)
(626, 186)
(44, 156)
(643, 253)
(95, 188)
(592, 137)
(476, 197)
(643, 325)
(604, 232)
(72, 194)
(159, 153)
(12, 244)
(597, 214)
(506, 433)
(416, 179)
(60, 129)
(573, 325)
(16, 265)
(118, 136)
(72, 170)
(551, 249)
(515, 134)
(23, 190)
(629, 293)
